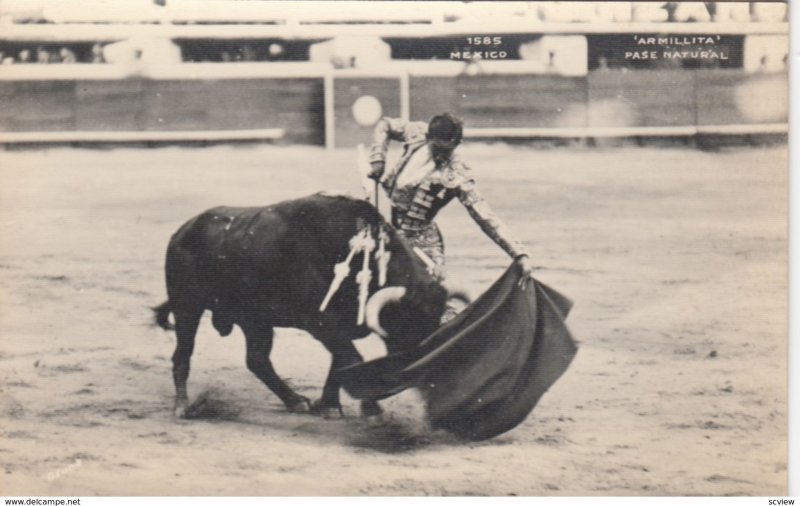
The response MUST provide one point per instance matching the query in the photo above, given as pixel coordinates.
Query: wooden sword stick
(430, 264)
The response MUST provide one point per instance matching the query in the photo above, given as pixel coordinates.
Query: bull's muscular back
(277, 261)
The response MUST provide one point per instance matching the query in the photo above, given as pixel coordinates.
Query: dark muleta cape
(484, 371)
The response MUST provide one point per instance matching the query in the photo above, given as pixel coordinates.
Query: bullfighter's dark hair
(446, 127)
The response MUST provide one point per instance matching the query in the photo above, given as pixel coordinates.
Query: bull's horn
(376, 303)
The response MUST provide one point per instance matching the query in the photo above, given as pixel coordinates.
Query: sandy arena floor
(675, 258)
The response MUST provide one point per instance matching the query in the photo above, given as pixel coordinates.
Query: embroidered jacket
(418, 189)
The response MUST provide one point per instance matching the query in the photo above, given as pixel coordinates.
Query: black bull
(267, 267)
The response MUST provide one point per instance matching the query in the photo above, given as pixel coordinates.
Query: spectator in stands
(97, 53)
(426, 178)
(24, 56)
(275, 51)
(347, 51)
(6, 59)
(67, 55)
(42, 55)
(249, 53)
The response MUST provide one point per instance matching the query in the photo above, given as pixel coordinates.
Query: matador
(424, 180)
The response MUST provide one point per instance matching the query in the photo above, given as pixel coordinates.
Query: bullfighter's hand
(524, 263)
(437, 271)
(377, 170)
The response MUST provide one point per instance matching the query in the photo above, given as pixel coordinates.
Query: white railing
(188, 71)
(141, 136)
(619, 132)
(349, 12)
(105, 33)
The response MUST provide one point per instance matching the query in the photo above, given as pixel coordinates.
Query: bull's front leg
(259, 345)
(344, 354)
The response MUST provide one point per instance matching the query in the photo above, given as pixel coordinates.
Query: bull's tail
(162, 316)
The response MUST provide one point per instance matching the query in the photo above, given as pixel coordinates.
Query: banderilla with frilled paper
(362, 242)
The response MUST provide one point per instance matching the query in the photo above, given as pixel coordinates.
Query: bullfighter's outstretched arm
(482, 213)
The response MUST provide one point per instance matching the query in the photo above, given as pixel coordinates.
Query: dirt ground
(676, 260)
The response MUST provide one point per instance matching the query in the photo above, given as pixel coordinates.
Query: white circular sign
(367, 110)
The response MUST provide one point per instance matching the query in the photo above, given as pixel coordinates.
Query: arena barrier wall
(192, 105)
(314, 104)
(608, 103)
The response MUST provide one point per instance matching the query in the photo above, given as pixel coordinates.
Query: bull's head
(411, 306)
(403, 316)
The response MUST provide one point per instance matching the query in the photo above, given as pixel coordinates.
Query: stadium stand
(284, 71)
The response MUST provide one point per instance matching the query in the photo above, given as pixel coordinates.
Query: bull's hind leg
(186, 323)
(259, 345)
(344, 354)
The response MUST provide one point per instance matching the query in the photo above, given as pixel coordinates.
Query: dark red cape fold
(483, 372)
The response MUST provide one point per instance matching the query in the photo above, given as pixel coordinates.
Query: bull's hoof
(332, 413)
(180, 410)
(303, 405)
(327, 412)
(376, 421)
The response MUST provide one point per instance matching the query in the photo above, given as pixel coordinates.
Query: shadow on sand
(395, 435)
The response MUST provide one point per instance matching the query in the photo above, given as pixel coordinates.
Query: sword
(364, 169)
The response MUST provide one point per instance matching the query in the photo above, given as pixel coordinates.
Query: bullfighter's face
(441, 151)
